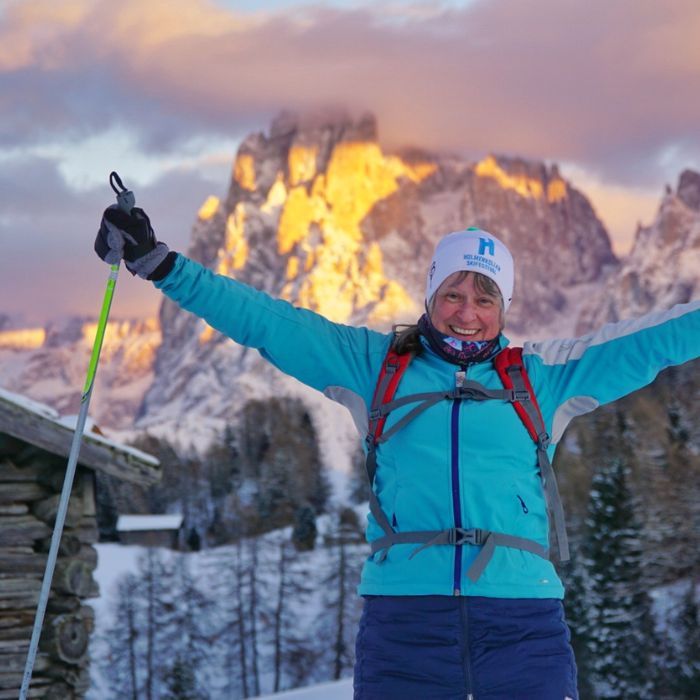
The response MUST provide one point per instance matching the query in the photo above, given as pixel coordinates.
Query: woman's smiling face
(464, 312)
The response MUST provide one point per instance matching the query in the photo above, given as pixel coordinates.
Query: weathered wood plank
(13, 663)
(36, 692)
(60, 605)
(14, 509)
(14, 639)
(66, 638)
(47, 509)
(21, 492)
(9, 471)
(14, 561)
(88, 554)
(70, 545)
(46, 432)
(73, 577)
(18, 588)
(22, 530)
(77, 677)
(9, 686)
(87, 533)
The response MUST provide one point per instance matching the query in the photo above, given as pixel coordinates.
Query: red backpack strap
(511, 370)
(393, 367)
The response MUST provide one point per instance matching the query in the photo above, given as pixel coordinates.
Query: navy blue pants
(451, 648)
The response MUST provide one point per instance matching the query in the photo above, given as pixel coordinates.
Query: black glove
(131, 236)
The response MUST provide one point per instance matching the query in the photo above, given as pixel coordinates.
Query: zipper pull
(460, 377)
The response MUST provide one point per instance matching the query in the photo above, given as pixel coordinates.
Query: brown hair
(407, 337)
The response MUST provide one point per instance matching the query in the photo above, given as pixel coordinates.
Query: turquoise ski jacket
(461, 463)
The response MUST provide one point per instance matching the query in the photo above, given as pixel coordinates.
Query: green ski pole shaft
(125, 200)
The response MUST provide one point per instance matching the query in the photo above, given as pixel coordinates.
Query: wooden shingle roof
(40, 425)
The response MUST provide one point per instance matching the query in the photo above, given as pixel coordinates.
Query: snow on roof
(72, 421)
(42, 426)
(29, 404)
(139, 523)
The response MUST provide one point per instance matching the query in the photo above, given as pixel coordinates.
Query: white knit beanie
(474, 250)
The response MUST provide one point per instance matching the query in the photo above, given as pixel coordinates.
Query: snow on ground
(116, 560)
(340, 690)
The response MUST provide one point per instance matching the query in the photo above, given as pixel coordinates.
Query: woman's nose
(467, 311)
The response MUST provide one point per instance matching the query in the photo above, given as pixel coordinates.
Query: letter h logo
(486, 244)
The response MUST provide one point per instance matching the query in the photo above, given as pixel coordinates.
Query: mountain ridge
(318, 214)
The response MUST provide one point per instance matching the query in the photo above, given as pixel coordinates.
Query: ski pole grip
(125, 198)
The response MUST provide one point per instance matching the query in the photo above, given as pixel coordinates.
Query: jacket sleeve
(580, 374)
(299, 342)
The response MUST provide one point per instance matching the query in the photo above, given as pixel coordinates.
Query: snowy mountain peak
(689, 189)
(317, 212)
(49, 365)
(663, 267)
(527, 179)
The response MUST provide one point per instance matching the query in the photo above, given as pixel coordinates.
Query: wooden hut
(151, 530)
(34, 447)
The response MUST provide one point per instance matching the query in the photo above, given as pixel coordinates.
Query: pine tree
(304, 532)
(578, 616)
(341, 606)
(621, 640)
(232, 631)
(292, 659)
(181, 682)
(685, 675)
(120, 666)
(188, 637)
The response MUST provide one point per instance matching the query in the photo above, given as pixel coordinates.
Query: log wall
(30, 485)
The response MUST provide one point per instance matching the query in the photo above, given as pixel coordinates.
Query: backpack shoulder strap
(393, 368)
(511, 370)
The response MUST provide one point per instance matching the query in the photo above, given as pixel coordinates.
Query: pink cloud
(612, 83)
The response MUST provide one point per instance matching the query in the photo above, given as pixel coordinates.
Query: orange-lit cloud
(611, 87)
(612, 83)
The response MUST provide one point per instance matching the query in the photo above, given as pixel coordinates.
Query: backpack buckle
(459, 535)
(519, 395)
(391, 366)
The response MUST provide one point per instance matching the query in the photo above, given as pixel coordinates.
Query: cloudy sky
(163, 91)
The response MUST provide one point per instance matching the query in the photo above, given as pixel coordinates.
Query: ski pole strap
(125, 198)
(486, 539)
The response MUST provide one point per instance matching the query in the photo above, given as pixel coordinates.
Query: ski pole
(126, 200)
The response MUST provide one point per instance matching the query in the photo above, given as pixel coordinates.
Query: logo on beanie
(486, 244)
(432, 271)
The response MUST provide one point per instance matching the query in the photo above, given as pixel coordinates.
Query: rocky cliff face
(663, 267)
(318, 214)
(49, 365)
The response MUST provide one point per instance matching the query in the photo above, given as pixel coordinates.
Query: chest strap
(456, 536)
(517, 391)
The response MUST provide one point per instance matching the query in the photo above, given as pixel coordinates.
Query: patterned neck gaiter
(459, 352)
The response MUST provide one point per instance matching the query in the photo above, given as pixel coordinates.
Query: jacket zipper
(456, 504)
